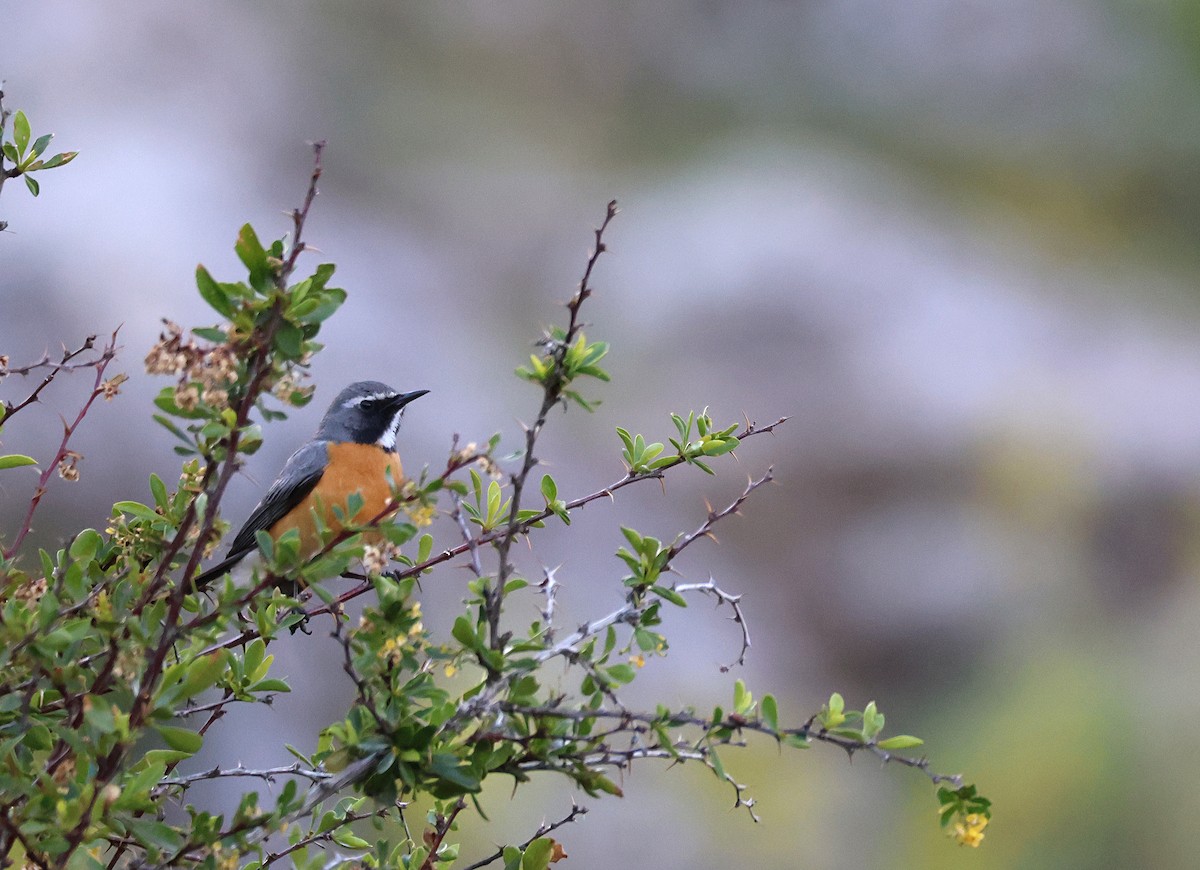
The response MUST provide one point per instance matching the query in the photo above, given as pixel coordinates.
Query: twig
(543, 830)
(551, 395)
(4, 174)
(63, 365)
(737, 724)
(268, 774)
(68, 430)
(734, 507)
(325, 836)
(360, 684)
(734, 601)
(434, 838)
(299, 216)
(549, 587)
(469, 539)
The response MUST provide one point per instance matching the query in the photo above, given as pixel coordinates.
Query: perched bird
(354, 450)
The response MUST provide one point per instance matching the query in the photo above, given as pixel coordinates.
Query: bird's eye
(369, 404)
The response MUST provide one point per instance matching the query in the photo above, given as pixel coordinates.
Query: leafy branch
(115, 669)
(25, 158)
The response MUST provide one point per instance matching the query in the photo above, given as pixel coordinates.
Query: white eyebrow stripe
(358, 400)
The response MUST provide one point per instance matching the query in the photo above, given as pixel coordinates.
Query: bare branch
(100, 365)
(299, 216)
(268, 774)
(734, 602)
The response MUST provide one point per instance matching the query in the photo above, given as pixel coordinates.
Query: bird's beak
(402, 400)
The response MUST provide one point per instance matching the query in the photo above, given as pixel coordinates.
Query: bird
(353, 450)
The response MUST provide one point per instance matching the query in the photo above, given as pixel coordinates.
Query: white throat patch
(388, 439)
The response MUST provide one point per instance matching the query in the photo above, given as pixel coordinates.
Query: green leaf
(60, 160)
(719, 448)
(622, 673)
(159, 490)
(714, 762)
(181, 739)
(250, 251)
(537, 854)
(424, 547)
(290, 340)
(270, 685)
(346, 837)
(464, 633)
(20, 129)
(447, 767)
(255, 652)
(670, 595)
(155, 834)
(742, 699)
(549, 489)
(32, 184)
(16, 460)
(136, 509)
(85, 545)
(900, 741)
(770, 712)
(40, 145)
(213, 293)
(202, 674)
(873, 721)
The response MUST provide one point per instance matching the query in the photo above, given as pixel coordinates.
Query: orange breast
(362, 468)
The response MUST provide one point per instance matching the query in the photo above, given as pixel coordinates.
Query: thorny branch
(268, 774)
(325, 836)
(551, 396)
(447, 555)
(100, 364)
(485, 702)
(543, 830)
(644, 725)
(64, 364)
(435, 836)
(299, 216)
(258, 369)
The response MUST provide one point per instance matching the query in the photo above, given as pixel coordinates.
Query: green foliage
(18, 157)
(113, 670)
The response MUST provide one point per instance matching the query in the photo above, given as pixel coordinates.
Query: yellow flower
(639, 660)
(421, 515)
(969, 831)
(450, 670)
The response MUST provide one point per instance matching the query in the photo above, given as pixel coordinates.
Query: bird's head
(366, 412)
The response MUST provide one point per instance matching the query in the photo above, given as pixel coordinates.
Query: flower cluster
(969, 830)
(68, 466)
(421, 515)
(410, 640)
(471, 454)
(205, 373)
(111, 388)
(375, 558)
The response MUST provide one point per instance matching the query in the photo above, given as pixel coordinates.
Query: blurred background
(953, 241)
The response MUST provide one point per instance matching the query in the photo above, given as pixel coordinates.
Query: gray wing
(300, 474)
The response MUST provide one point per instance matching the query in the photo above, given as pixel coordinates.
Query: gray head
(367, 412)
